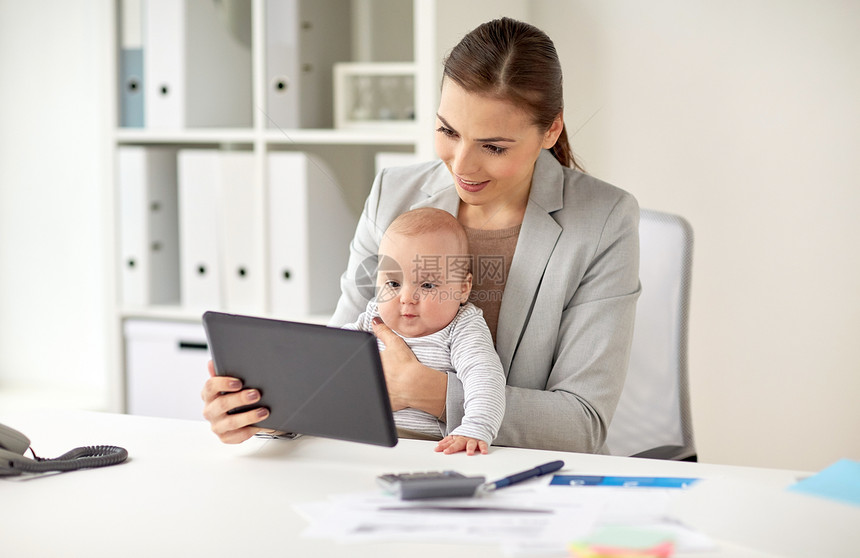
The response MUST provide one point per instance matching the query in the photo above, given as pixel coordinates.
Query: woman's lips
(470, 185)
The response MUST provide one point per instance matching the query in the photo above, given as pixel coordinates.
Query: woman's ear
(551, 135)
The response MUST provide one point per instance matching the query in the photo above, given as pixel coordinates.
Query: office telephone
(13, 445)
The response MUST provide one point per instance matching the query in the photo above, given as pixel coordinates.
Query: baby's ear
(466, 289)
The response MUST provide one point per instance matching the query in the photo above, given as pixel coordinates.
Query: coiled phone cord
(78, 458)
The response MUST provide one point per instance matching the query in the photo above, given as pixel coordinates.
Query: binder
(304, 39)
(131, 65)
(282, 64)
(149, 226)
(199, 173)
(164, 64)
(310, 228)
(241, 249)
(197, 65)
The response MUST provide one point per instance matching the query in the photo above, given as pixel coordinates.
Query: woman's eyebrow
(479, 140)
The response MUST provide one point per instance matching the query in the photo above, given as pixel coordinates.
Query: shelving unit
(384, 31)
(347, 153)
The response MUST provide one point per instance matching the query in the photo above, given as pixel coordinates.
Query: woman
(555, 252)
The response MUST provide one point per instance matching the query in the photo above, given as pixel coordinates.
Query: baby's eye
(392, 284)
(427, 286)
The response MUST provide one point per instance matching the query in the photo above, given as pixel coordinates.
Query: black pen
(536, 472)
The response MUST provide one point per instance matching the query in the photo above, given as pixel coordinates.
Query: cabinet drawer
(165, 368)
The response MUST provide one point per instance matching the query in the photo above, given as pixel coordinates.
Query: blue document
(131, 88)
(638, 482)
(840, 481)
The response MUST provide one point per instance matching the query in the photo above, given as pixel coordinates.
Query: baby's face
(420, 290)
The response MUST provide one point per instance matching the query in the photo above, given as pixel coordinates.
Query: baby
(423, 284)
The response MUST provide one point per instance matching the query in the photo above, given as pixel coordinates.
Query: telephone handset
(13, 445)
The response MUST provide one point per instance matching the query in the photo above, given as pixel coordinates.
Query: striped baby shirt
(464, 347)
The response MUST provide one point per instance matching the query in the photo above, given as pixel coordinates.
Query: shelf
(179, 314)
(170, 313)
(404, 136)
(252, 192)
(203, 135)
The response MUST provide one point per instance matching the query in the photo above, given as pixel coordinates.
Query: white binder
(242, 271)
(310, 228)
(149, 227)
(164, 63)
(199, 177)
(197, 66)
(304, 40)
(282, 64)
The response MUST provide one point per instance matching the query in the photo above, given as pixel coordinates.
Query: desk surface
(183, 493)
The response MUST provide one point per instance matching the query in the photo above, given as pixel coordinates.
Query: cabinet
(166, 364)
(231, 92)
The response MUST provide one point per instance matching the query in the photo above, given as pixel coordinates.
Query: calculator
(430, 484)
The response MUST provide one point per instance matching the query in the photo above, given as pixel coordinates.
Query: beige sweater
(492, 253)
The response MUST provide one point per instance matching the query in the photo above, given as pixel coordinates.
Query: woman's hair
(516, 62)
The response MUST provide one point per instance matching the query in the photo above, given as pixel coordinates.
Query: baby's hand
(453, 444)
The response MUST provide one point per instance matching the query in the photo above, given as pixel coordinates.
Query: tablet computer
(315, 380)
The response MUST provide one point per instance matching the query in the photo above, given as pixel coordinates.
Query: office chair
(653, 415)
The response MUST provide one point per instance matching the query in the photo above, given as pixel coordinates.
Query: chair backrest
(654, 408)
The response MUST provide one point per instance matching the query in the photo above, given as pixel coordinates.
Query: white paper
(507, 517)
(536, 520)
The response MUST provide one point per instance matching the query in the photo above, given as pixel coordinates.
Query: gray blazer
(566, 318)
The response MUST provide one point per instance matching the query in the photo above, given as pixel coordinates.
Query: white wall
(52, 207)
(743, 116)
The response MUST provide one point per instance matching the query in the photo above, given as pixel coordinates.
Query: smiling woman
(554, 253)
(489, 146)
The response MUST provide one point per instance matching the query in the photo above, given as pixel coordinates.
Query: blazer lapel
(441, 192)
(537, 240)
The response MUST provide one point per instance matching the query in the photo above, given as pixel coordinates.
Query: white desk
(183, 493)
